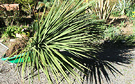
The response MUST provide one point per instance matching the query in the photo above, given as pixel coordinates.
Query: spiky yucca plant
(103, 8)
(64, 29)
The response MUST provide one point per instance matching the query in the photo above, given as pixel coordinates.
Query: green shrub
(11, 31)
(28, 6)
(111, 32)
(7, 1)
(122, 5)
(114, 35)
(130, 12)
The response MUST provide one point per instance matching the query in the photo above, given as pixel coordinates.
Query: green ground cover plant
(11, 31)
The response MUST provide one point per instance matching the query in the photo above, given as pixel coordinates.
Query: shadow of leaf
(98, 70)
(101, 65)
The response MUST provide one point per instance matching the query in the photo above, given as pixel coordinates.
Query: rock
(3, 49)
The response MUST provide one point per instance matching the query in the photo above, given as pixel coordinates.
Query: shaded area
(115, 53)
(2, 26)
(117, 20)
(101, 64)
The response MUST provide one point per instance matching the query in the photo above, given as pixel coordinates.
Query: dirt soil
(16, 46)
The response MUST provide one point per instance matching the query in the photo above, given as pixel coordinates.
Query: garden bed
(94, 37)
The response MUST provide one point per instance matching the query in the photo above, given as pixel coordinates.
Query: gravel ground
(124, 61)
(128, 71)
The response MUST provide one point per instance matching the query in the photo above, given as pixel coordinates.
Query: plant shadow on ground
(99, 66)
(116, 53)
(116, 21)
